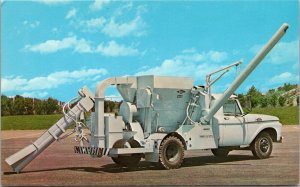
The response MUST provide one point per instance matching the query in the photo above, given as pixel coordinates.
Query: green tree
(51, 106)
(255, 96)
(281, 101)
(39, 106)
(271, 91)
(18, 105)
(111, 106)
(28, 106)
(273, 100)
(264, 101)
(242, 100)
(106, 106)
(287, 87)
(6, 106)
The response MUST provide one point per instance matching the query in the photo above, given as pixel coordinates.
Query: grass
(28, 122)
(287, 115)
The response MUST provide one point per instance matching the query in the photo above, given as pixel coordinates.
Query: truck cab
(238, 130)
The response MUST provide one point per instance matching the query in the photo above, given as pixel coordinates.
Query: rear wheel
(130, 160)
(262, 146)
(171, 153)
(220, 153)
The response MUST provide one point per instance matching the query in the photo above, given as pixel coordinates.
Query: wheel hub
(172, 153)
(264, 145)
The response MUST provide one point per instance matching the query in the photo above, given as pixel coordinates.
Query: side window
(231, 108)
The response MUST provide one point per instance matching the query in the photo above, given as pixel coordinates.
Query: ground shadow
(188, 162)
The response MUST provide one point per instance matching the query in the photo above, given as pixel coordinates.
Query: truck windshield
(231, 108)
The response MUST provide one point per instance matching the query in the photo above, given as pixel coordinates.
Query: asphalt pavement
(58, 165)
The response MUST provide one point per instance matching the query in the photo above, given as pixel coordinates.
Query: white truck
(162, 117)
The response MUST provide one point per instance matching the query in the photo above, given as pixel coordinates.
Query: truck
(160, 118)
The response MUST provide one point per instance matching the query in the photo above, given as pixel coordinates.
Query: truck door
(232, 125)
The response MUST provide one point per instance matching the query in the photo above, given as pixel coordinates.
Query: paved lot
(59, 166)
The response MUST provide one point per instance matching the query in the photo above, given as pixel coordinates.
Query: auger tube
(248, 70)
(23, 157)
(99, 136)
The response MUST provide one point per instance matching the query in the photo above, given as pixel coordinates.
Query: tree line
(19, 105)
(272, 98)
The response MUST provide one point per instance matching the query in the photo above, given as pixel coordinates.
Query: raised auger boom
(248, 70)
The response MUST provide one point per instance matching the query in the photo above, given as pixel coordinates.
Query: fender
(155, 140)
(254, 130)
(158, 137)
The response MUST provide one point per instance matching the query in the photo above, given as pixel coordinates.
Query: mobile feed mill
(160, 118)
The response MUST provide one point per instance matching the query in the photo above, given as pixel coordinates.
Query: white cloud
(115, 49)
(93, 24)
(52, 2)
(98, 4)
(170, 67)
(82, 46)
(51, 46)
(35, 24)
(284, 78)
(283, 52)
(193, 56)
(35, 94)
(191, 50)
(114, 97)
(112, 48)
(50, 81)
(296, 65)
(117, 25)
(54, 30)
(12, 83)
(121, 10)
(32, 24)
(217, 56)
(189, 63)
(114, 29)
(72, 13)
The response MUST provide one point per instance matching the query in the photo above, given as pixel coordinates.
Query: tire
(171, 153)
(262, 146)
(131, 160)
(220, 153)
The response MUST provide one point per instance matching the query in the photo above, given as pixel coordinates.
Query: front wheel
(262, 146)
(171, 153)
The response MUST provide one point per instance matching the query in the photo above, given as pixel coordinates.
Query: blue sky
(53, 48)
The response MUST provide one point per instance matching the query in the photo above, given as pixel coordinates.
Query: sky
(52, 48)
